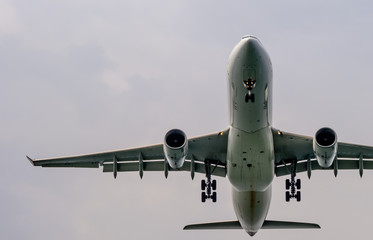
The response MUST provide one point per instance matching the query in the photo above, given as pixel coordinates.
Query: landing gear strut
(208, 185)
(292, 185)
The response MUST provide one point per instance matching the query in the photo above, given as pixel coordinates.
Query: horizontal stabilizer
(214, 225)
(268, 224)
(31, 161)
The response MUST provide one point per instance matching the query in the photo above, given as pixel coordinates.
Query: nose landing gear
(249, 84)
(249, 96)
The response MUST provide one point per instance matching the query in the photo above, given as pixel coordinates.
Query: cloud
(115, 81)
(85, 76)
(9, 23)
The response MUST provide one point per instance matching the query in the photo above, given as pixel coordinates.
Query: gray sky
(85, 76)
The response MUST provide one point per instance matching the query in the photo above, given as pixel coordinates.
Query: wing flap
(72, 165)
(343, 164)
(159, 166)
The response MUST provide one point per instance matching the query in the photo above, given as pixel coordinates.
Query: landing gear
(203, 198)
(214, 196)
(298, 196)
(208, 185)
(297, 184)
(249, 96)
(249, 84)
(213, 185)
(287, 196)
(203, 185)
(287, 184)
(293, 185)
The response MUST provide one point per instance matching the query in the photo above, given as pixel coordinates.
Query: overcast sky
(86, 76)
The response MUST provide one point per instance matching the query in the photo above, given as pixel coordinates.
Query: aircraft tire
(298, 184)
(203, 197)
(203, 185)
(213, 185)
(298, 196)
(287, 184)
(287, 196)
(214, 197)
(247, 97)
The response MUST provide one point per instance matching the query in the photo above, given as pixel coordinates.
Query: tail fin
(268, 224)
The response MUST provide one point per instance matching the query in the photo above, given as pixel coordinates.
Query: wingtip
(31, 161)
(315, 225)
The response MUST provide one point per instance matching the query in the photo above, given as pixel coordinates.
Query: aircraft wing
(291, 147)
(211, 148)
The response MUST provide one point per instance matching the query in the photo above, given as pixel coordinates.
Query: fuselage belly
(250, 158)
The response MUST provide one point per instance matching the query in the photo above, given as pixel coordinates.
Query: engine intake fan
(175, 148)
(325, 146)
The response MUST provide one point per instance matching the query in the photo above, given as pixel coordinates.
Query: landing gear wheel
(287, 184)
(209, 185)
(297, 184)
(203, 185)
(203, 197)
(213, 185)
(293, 185)
(287, 196)
(298, 196)
(214, 196)
(247, 97)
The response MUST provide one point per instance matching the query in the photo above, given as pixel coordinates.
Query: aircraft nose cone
(250, 37)
(251, 233)
(251, 42)
(250, 50)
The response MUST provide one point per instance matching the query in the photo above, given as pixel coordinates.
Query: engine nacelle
(325, 146)
(175, 148)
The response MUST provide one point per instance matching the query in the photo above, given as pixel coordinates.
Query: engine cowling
(325, 146)
(175, 148)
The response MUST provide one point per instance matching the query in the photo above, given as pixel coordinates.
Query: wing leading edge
(211, 148)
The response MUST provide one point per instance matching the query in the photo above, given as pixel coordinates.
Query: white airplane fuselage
(250, 158)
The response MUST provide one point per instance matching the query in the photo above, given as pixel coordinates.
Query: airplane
(250, 152)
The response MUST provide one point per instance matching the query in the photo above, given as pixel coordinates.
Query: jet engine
(325, 146)
(175, 148)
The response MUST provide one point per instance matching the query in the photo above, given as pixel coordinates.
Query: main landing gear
(208, 186)
(292, 185)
